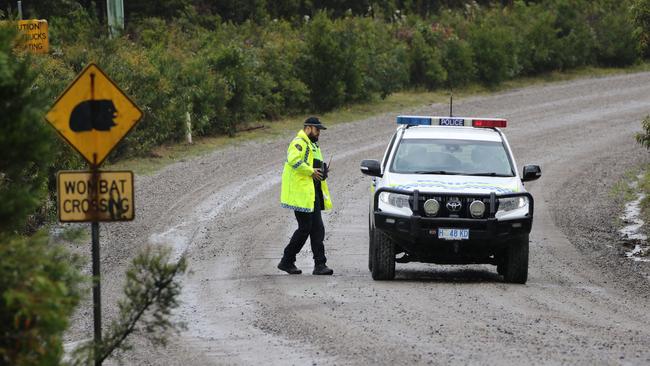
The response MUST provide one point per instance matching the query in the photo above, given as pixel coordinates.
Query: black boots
(290, 268)
(319, 269)
(322, 269)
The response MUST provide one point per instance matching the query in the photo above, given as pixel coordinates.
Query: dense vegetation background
(229, 62)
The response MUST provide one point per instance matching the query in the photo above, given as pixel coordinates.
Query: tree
(25, 140)
(39, 289)
(641, 16)
(151, 293)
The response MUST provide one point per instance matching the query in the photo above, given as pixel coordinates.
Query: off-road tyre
(516, 261)
(383, 257)
(501, 267)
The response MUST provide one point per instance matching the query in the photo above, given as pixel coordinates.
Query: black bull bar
(417, 218)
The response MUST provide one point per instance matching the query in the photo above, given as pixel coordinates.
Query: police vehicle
(447, 191)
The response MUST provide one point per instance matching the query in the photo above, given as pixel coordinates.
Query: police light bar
(451, 121)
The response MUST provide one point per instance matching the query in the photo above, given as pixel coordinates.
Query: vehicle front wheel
(515, 267)
(382, 256)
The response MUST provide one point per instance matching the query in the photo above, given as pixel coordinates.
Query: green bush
(383, 59)
(322, 64)
(576, 39)
(641, 15)
(494, 53)
(425, 62)
(279, 55)
(224, 74)
(538, 45)
(25, 140)
(39, 289)
(616, 44)
(459, 62)
(643, 138)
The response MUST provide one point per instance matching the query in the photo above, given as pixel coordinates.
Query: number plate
(453, 234)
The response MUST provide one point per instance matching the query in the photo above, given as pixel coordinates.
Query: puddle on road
(631, 232)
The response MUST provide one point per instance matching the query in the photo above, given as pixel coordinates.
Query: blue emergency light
(414, 120)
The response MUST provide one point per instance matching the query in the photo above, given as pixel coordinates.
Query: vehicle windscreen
(453, 157)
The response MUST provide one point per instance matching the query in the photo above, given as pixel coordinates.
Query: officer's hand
(318, 174)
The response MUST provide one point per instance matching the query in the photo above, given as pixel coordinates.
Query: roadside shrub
(425, 63)
(383, 59)
(39, 289)
(458, 62)
(576, 39)
(25, 140)
(494, 53)
(278, 56)
(643, 138)
(616, 44)
(322, 64)
(247, 87)
(538, 44)
(641, 15)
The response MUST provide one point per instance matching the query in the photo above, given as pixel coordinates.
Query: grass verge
(171, 153)
(625, 191)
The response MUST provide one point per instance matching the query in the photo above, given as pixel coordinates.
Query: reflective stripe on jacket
(297, 184)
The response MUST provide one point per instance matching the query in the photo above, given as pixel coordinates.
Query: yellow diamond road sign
(93, 114)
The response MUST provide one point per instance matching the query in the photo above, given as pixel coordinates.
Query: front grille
(444, 211)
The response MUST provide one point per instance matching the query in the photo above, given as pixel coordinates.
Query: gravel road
(583, 303)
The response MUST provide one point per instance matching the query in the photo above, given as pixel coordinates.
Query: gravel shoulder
(583, 303)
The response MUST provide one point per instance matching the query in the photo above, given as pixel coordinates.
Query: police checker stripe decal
(457, 186)
(295, 208)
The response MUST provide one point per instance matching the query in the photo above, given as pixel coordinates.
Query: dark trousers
(310, 224)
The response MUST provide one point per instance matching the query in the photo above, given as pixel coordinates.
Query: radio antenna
(451, 105)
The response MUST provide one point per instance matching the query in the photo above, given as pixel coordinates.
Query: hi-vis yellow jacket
(298, 191)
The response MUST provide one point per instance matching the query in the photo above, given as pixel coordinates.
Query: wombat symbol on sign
(89, 114)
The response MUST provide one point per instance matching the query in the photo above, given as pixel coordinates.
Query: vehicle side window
(387, 153)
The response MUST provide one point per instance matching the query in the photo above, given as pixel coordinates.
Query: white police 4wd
(447, 191)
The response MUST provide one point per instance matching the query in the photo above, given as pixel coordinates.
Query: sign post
(93, 115)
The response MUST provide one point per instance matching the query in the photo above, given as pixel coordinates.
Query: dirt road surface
(583, 303)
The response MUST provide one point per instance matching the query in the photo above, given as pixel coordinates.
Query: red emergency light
(489, 123)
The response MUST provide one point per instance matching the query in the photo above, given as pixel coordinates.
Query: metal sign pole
(97, 301)
(97, 294)
(20, 10)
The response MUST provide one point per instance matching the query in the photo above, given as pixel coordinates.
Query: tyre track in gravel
(222, 211)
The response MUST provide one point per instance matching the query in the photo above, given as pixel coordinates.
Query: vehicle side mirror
(371, 168)
(531, 172)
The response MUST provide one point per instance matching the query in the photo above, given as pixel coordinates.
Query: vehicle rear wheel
(516, 261)
(383, 257)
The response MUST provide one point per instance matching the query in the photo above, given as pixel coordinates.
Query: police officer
(304, 190)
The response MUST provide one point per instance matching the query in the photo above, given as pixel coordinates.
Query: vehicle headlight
(395, 199)
(477, 209)
(431, 207)
(395, 203)
(512, 207)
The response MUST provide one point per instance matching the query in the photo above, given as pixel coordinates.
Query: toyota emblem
(454, 206)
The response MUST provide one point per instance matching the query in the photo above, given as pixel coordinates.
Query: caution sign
(106, 197)
(93, 114)
(36, 31)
